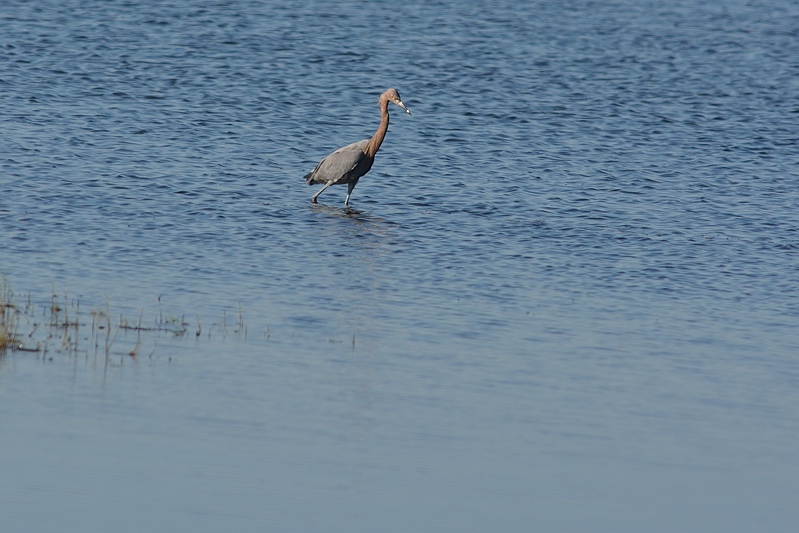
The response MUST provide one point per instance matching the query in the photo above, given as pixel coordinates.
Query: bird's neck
(380, 134)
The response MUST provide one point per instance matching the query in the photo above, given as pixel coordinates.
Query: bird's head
(392, 95)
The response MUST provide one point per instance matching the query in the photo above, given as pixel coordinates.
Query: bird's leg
(315, 196)
(350, 187)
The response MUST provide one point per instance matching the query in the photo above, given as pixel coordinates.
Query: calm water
(567, 299)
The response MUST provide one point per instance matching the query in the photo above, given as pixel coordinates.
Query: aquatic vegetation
(9, 318)
(61, 325)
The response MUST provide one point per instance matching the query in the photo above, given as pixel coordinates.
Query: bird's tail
(308, 178)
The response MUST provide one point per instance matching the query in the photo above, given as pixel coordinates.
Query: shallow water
(566, 295)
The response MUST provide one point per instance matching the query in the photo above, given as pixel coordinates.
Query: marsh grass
(62, 326)
(8, 317)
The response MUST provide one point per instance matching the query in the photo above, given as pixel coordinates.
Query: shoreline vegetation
(60, 325)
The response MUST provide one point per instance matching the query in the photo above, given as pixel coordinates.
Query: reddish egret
(348, 164)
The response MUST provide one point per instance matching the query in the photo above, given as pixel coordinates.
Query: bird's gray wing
(338, 164)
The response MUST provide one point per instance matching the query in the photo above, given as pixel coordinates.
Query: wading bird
(348, 164)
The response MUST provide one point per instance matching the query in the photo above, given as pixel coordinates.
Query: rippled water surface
(566, 297)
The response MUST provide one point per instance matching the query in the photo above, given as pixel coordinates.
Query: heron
(349, 163)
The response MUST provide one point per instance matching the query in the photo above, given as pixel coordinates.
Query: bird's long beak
(399, 103)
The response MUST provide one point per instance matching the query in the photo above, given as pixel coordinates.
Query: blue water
(566, 299)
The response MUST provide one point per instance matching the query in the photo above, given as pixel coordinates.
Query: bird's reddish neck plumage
(380, 134)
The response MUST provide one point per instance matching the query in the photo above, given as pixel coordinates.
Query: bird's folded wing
(339, 163)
